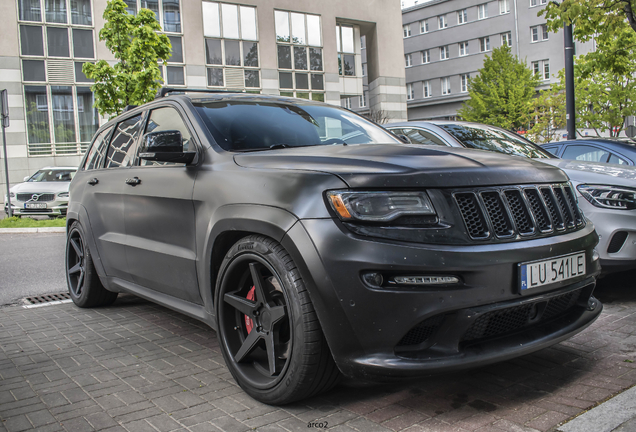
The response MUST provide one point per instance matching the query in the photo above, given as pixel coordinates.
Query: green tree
(547, 115)
(612, 24)
(500, 95)
(136, 42)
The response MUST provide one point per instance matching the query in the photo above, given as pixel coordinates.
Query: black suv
(318, 244)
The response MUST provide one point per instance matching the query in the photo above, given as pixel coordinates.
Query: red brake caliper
(249, 324)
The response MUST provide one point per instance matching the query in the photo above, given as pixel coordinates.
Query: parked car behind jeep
(318, 244)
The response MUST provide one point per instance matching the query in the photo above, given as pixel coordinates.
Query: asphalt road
(31, 264)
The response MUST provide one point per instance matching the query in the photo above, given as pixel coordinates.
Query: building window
(464, 82)
(537, 2)
(539, 33)
(410, 93)
(506, 39)
(407, 30)
(408, 60)
(446, 88)
(504, 7)
(345, 102)
(482, 11)
(426, 87)
(542, 69)
(364, 69)
(484, 44)
(424, 26)
(300, 62)
(463, 48)
(426, 56)
(444, 53)
(443, 22)
(363, 100)
(346, 50)
(231, 45)
(462, 16)
(167, 12)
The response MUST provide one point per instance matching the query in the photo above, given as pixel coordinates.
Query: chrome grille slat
(40, 197)
(509, 212)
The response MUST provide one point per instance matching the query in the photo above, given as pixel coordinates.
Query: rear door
(159, 214)
(102, 198)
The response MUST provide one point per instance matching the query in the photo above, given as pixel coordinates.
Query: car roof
(58, 168)
(615, 143)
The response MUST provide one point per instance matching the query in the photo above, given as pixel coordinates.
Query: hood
(595, 172)
(39, 187)
(400, 166)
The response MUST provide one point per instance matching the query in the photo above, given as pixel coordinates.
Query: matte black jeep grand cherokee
(316, 243)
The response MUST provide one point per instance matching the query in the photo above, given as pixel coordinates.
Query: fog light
(373, 279)
(425, 280)
(592, 303)
(595, 255)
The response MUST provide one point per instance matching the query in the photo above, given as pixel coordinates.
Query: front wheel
(268, 329)
(84, 286)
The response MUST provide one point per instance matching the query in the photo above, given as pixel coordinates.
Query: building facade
(445, 43)
(310, 50)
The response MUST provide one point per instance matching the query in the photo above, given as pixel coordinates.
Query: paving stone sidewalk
(139, 367)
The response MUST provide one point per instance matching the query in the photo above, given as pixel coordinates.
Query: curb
(32, 230)
(607, 416)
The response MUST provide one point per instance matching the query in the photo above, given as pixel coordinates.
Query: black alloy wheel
(84, 286)
(269, 333)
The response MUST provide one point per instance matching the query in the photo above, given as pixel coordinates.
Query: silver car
(608, 190)
(45, 193)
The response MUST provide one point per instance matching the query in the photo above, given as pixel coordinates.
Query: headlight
(379, 206)
(63, 195)
(609, 197)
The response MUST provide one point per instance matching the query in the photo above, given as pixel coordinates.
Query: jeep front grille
(507, 212)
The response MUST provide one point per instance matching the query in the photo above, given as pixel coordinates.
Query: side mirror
(26, 178)
(405, 139)
(165, 146)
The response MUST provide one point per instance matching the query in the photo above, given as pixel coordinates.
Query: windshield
(260, 125)
(499, 140)
(53, 176)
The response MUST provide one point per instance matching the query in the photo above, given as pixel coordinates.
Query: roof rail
(168, 90)
(130, 107)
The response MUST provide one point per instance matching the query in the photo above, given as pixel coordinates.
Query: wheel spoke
(248, 346)
(258, 284)
(243, 305)
(271, 352)
(80, 281)
(277, 313)
(77, 247)
(76, 268)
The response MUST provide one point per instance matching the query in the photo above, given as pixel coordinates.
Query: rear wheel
(269, 332)
(84, 286)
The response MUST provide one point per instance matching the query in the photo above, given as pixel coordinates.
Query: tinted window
(260, 124)
(164, 119)
(98, 150)
(122, 147)
(488, 138)
(617, 160)
(552, 149)
(585, 153)
(418, 136)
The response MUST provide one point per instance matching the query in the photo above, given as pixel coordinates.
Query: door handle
(133, 181)
(93, 181)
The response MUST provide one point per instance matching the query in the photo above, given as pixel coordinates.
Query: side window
(552, 149)
(163, 119)
(95, 157)
(418, 136)
(585, 153)
(617, 160)
(122, 146)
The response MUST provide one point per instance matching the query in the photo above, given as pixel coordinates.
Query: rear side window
(617, 160)
(95, 157)
(422, 137)
(164, 119)
(552, 149)
(585, 153)
(121, 152)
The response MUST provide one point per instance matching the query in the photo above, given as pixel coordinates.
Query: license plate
(540, 273)
(35, 205)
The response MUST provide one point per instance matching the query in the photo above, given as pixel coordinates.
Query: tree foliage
(500, 95)
(612, 24)
(137, 45)
(547, 111)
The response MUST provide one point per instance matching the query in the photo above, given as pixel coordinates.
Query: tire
(268, 330)
(84, 286)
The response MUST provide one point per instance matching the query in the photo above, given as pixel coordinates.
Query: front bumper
(366, 327)
(54, 208)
